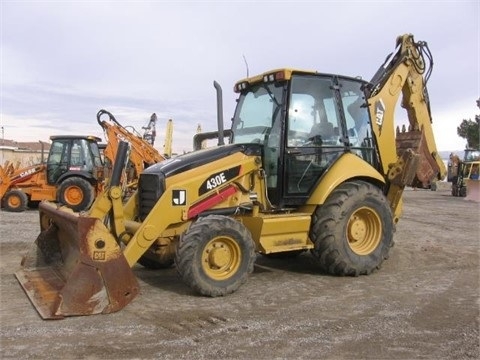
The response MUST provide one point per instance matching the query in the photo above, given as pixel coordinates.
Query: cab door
(58, 160)
(314, 135)
(78, 155)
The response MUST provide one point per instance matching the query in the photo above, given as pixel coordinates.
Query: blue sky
(62, 61)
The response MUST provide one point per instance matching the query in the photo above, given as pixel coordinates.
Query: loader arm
(12, 177)
(415, 158)
(76, 266)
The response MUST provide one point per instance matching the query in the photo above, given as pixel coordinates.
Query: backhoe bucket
(75, 267)
(428, 168)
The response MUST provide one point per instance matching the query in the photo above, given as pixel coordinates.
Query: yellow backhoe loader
(310, 164)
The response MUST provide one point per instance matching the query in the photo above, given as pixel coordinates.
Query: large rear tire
(353, 230)
(15, 201)
(215, 255)
(76, 193)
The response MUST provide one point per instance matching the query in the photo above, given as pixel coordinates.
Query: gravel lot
(422, 304)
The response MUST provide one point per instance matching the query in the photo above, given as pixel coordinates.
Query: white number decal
(215, 181)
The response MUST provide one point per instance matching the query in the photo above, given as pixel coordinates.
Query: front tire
(76, 193)
(215, 255)
(353, 231)
(15, 201)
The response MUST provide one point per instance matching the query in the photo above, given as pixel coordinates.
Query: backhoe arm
(141, 152)
(414, 159)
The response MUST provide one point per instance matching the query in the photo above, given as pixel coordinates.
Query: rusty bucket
(75, 267)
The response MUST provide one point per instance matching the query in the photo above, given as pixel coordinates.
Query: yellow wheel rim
(14, 201)
(364, 231)
(221, 258)
(73, 195)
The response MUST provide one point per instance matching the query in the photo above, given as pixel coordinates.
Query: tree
(470, 130)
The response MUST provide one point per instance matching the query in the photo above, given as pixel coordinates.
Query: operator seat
(323, 129)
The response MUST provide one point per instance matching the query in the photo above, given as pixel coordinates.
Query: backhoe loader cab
(312, 164)
(75, 170)
(73, 155)
(304, 121)
(71, 175)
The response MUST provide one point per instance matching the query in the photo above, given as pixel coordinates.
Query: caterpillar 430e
(311, 164)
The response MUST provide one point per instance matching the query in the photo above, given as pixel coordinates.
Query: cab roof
(87, 137)
(287, 71)
(281, 74)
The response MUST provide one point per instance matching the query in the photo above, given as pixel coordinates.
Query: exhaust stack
(221, 140)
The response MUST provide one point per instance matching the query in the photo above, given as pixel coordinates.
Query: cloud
(64, 61)
(48, 110)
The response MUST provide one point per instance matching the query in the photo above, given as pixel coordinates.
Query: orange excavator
(142, 152)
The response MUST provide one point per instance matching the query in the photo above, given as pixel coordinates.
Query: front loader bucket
(75, 267)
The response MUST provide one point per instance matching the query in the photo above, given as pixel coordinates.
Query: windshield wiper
(270, 93)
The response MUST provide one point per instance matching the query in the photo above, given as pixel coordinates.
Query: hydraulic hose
(110, 115)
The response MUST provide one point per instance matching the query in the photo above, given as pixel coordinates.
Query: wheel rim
(14, 201)
(221, 258)
(364, 231)
(73, 195)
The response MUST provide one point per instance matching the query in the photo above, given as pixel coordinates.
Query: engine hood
(197, 158)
